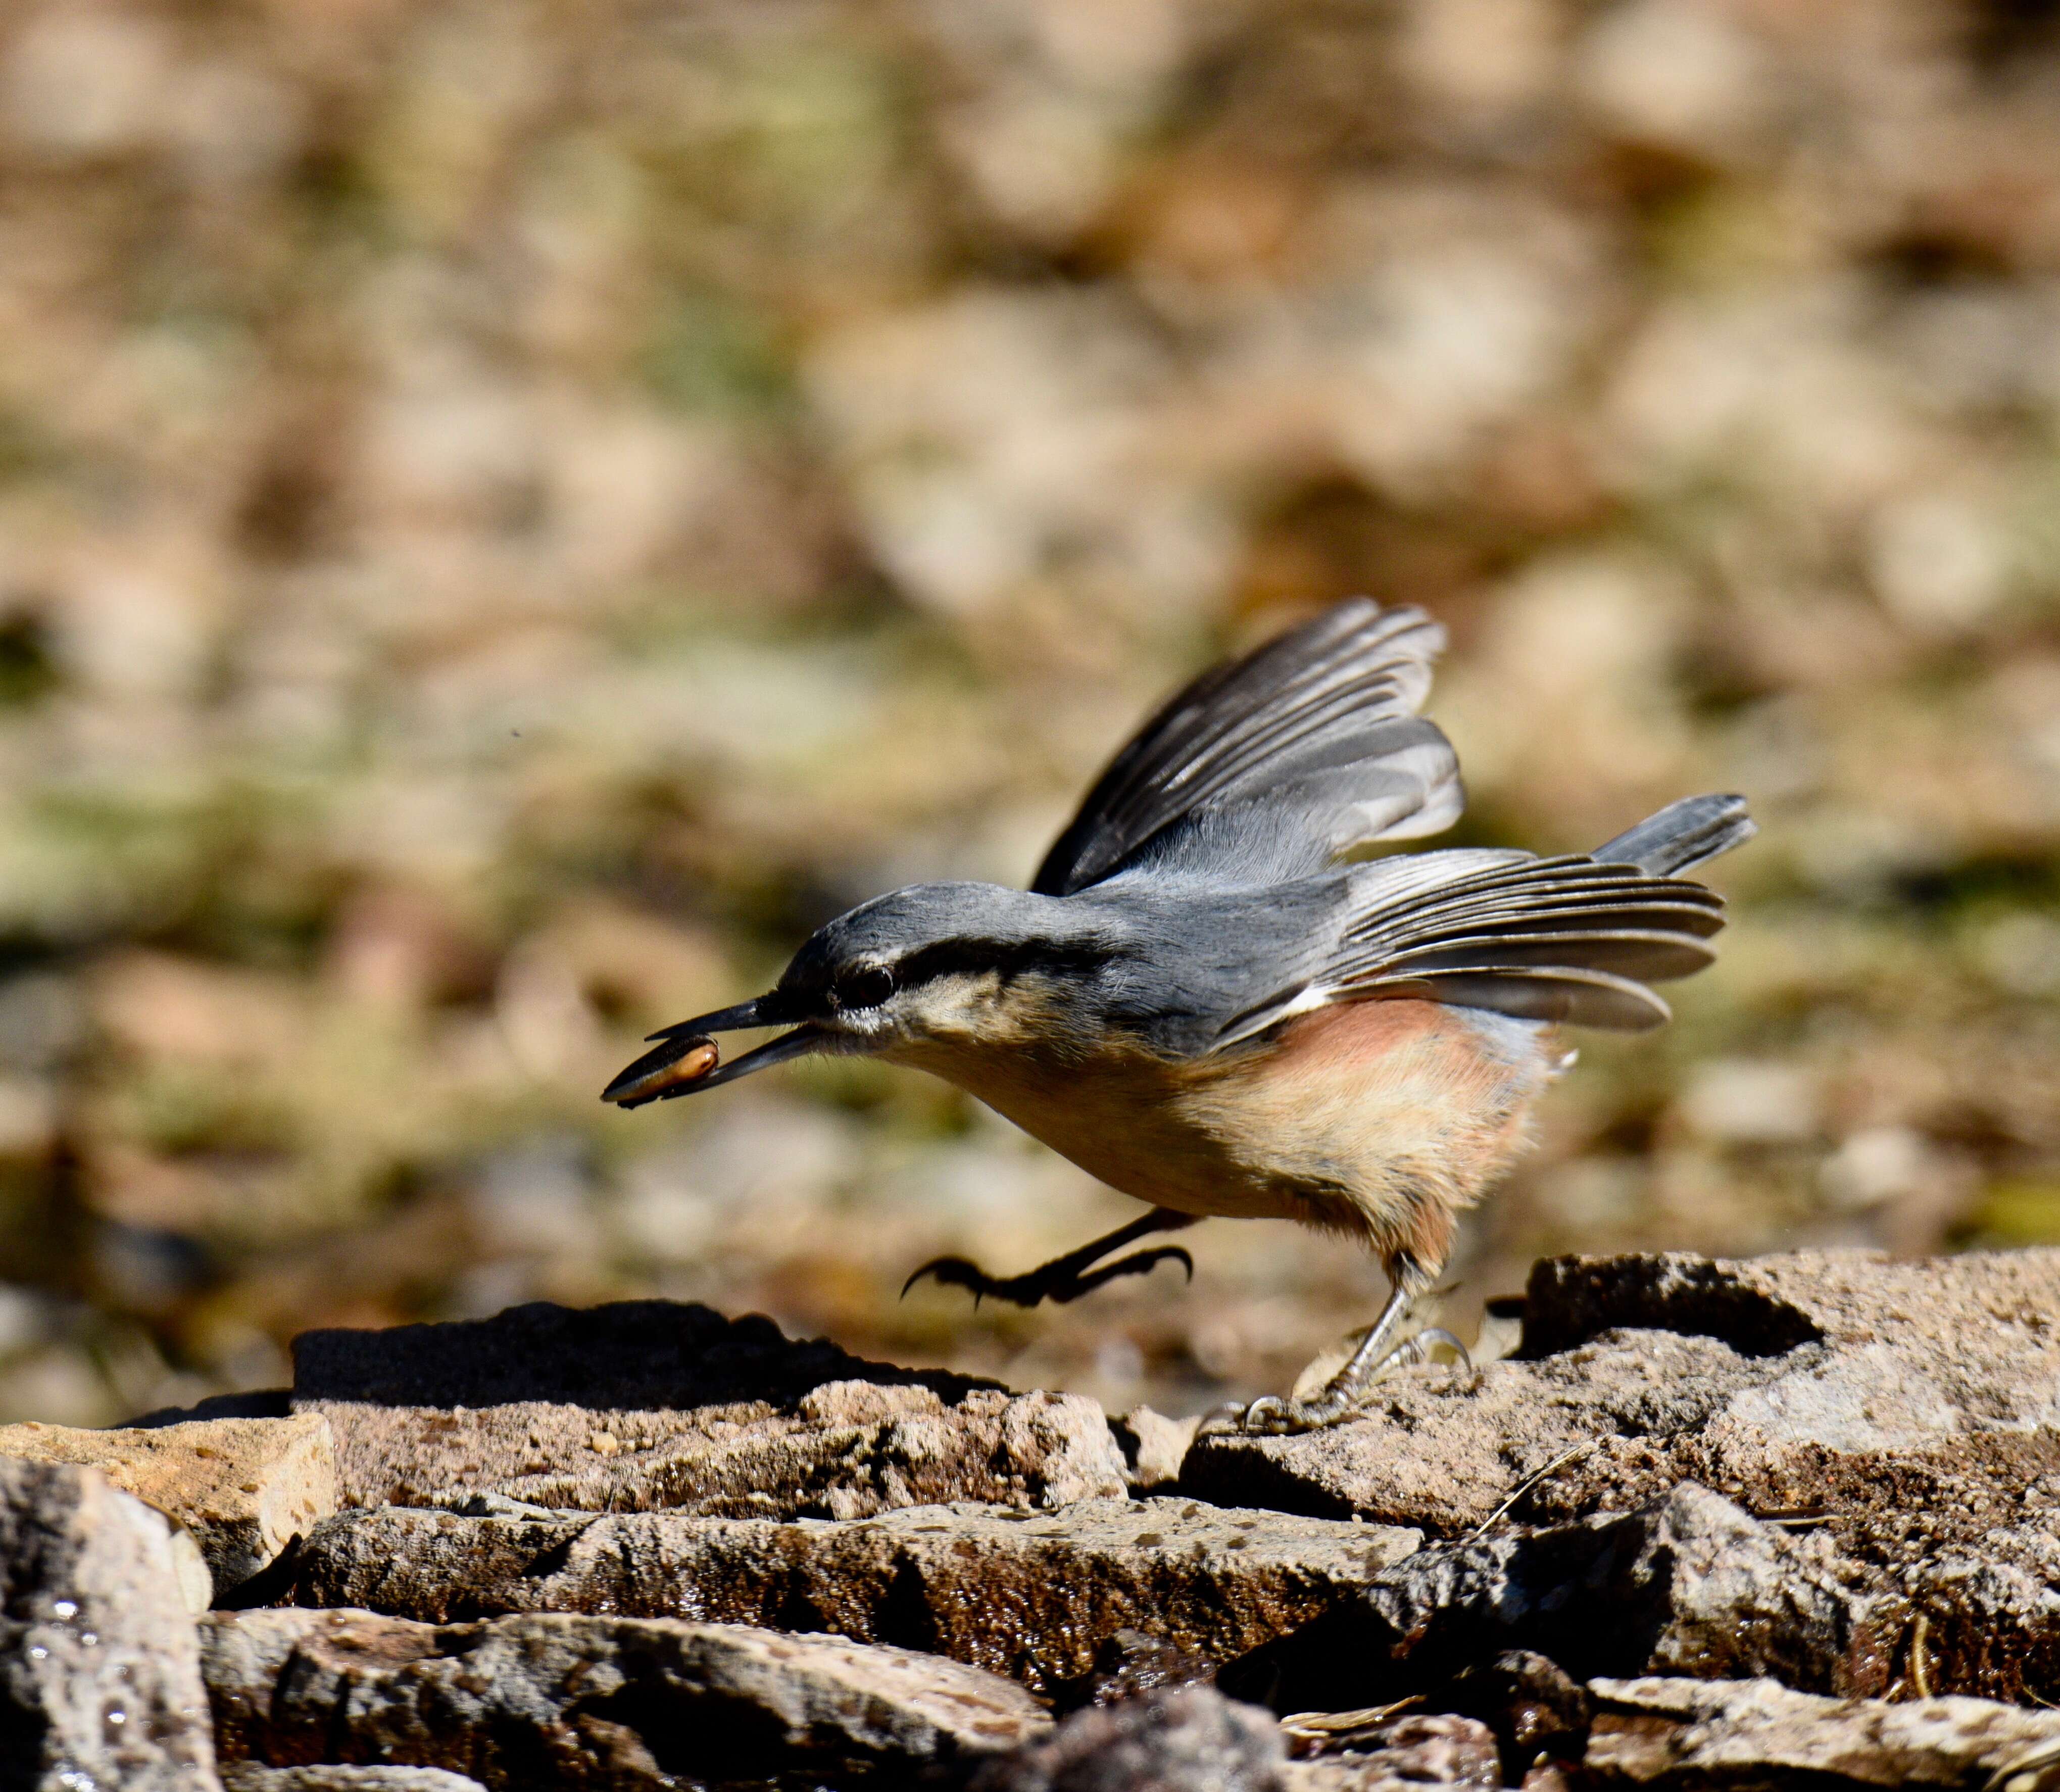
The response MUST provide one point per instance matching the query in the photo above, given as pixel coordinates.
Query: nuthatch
(1204, 1001)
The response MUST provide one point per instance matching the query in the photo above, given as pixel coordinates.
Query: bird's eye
(866, 988)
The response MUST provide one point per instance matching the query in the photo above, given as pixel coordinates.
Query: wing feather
(1648, 955)
(1314, 740)
(1574, 938)
(1566, 994)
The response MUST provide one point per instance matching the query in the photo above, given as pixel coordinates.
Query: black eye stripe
(1006, 958)
(867, 986)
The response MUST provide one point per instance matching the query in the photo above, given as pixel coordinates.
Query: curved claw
(1137, 1262)
(1267, 1416)
(1270, 1415)
(1416, 1346)
(951, 1272)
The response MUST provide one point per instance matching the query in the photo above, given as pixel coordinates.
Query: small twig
(1331, 1723)
(1332, 1732)
(1558, 1462)
(2020, 1772)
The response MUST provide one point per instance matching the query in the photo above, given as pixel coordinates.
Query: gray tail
(1681, 835)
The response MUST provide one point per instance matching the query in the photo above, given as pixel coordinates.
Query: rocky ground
(1788, 1521)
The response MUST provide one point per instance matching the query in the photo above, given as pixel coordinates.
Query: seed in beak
(678, 1062)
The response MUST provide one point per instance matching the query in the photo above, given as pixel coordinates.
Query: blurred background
(512, 511)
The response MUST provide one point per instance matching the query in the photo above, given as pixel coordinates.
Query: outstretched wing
(1575, 938)
(1271, 766)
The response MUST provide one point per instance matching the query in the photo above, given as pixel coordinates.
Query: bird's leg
(1384, 1343)
(1068, 1277)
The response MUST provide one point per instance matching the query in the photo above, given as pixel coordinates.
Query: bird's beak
(686, 1061)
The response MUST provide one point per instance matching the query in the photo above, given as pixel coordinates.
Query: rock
(1411, 1750)
(1344, 1773)
(574, 1701)
(99, 1675)
(650, 1405)
(1813, 1383)
(1434, 1749)
(1689, 1585)
(1191, 1739)
(1982, 1617)
(245, 1777)
(1128, 1665)
(1885, 1554)
(1699, 1733)
(245, 1487)
(1533, 1708)
(847, 1449)
(1153, 1448)
(1031, 1596)
(259, 1402)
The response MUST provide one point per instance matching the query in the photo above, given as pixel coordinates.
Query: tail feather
(1571, 939)
(1680, 835)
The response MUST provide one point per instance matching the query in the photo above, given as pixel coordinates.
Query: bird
(1220, 996)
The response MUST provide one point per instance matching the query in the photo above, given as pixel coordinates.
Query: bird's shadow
(631, 1355)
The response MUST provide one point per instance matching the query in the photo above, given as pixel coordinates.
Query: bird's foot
(1344, 1395)
(1056, 1282)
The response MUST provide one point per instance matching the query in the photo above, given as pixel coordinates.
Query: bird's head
(950, 965)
